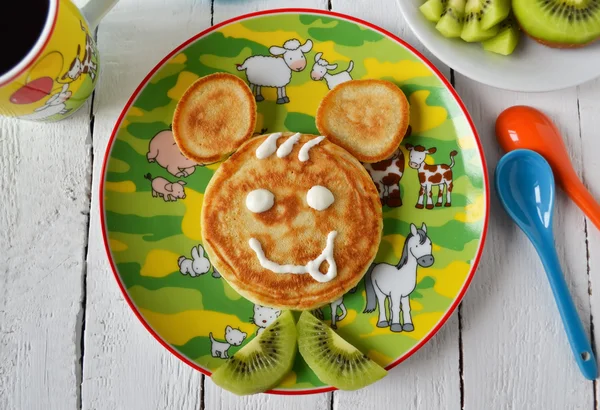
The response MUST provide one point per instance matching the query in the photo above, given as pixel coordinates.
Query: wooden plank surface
(125, 367)
(44, 211)
(44, 180)
(226, 9)
(515, 352)
(589, 113)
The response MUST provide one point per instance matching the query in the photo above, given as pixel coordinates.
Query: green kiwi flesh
(334, 360)
(451, 21)
(432, 10)
(263, 362)
(506, 40)
(494, 12)
(559, 22)
(475, 11)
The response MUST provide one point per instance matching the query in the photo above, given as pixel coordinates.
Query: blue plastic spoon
(525, 185)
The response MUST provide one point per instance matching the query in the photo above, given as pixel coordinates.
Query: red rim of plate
(324, 13)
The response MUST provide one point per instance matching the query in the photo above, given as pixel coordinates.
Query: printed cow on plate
(431, 175)
(387, 174)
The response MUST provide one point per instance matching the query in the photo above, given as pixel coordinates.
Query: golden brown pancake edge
(388, 143)
(237, 138)
(359, 225)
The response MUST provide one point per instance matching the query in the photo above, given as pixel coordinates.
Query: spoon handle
(576, 334)
(584, 200)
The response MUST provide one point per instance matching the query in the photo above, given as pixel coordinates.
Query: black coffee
(21, 24)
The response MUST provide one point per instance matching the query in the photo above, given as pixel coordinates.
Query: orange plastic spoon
(525, 127)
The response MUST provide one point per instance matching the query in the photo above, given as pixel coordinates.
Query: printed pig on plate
(166, 153)
(169, 191)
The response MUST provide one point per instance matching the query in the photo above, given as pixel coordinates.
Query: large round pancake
(291, 232)
(366, 117)
(215, 115)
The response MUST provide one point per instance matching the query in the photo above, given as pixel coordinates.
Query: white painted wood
(589, 110)
(124, 367)
(515, 351)
(44, 180)
(430, 379)
(226, 9)
(217, 398)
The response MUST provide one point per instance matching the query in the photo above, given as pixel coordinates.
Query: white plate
(532, 67)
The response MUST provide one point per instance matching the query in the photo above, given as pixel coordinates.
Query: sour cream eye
(319, 198)
(260, 200)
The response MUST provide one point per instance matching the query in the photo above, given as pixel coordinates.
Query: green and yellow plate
(153, 236)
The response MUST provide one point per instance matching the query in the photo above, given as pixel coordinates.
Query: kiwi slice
(334, 361)
(451, 20)
(506, 40)
(472, 30)
(560, 23)
(433, 9)
(494, 11)
(263, 362)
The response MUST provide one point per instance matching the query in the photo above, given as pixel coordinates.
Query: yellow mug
(52, 65)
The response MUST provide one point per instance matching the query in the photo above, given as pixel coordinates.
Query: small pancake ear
(349, 99)
(202, 142)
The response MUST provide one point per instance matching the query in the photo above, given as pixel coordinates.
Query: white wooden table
(68, 340)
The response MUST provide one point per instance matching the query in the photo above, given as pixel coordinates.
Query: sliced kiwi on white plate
(334, 360)
(493, 12)
(475, 12)
(263, 362)
(506, 40)
(451, 22)
(433, 9)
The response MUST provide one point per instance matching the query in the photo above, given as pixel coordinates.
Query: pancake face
(258, 216)
(214, 117)
(366, 117)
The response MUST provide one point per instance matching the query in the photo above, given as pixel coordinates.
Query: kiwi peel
(559, 23)
(263, 362)
(334, 360)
